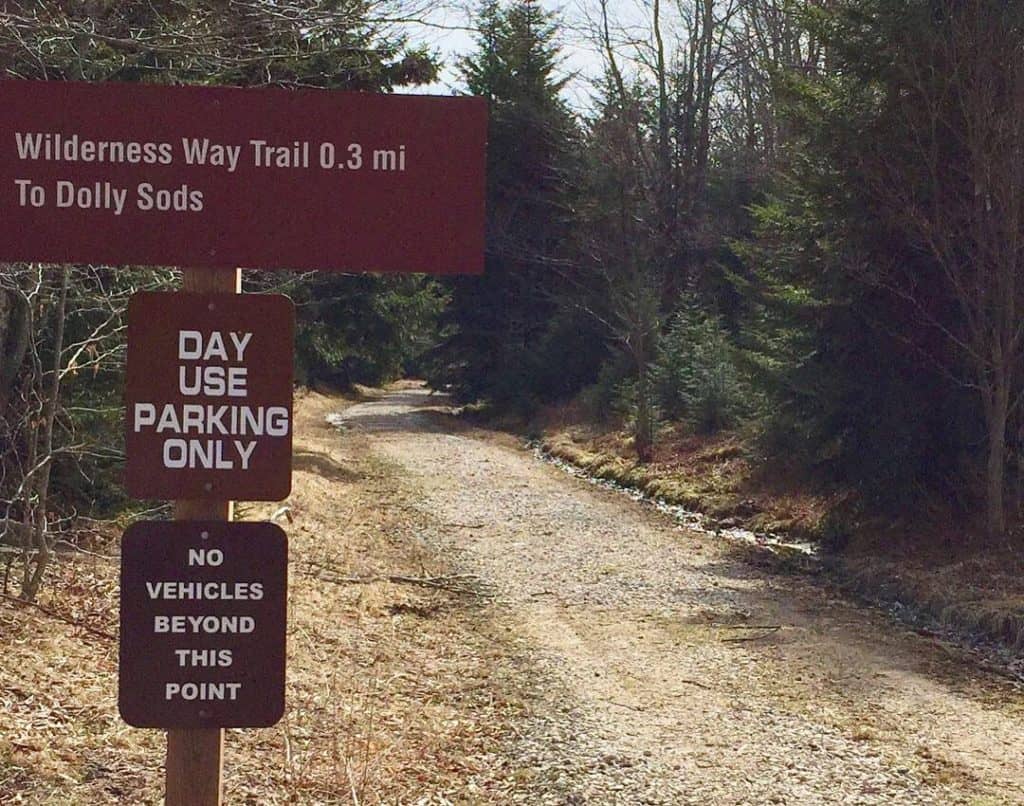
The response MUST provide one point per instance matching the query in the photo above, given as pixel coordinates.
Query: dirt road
(665, 667)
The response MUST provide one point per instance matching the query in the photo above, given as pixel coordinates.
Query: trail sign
(208, 393)
(210, 178)
(225, 177)
(203, 608)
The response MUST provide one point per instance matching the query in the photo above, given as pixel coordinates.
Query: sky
(447, 30)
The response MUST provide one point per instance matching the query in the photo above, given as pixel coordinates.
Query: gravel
(670, 671)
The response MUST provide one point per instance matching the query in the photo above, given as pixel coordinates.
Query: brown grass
(977, 591)
(713, 475)
(391, 688)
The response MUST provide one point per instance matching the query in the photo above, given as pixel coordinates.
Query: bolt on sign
(203, 607)
(226, 177)
(208, 394)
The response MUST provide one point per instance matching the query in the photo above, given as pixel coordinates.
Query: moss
(719, 506)
(707, 495)
(675, 491)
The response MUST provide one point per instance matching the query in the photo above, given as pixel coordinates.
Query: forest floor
(578, 648)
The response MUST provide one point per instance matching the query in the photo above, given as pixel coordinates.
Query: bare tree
(768, 39)
(66, 325)
(654, 139)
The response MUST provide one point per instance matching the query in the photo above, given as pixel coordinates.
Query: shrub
(695, 375)
(612, 394)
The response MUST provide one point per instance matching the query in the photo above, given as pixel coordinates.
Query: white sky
(580, 57)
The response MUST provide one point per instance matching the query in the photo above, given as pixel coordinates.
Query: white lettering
(98, 196)
(205, 557)
(245, 451)
(28, 145)
(145, 414)
(204, 657)
(205, 419)
(202, 691)
(202, 152)
(175, 453)
(277, 421)
(190, 344)
(211, 625)
(215, 348)
(241, 343)
(29, 193)
(205, 591)
(238, 381)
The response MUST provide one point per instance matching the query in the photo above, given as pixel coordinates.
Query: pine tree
(886, 261)
(498, 322)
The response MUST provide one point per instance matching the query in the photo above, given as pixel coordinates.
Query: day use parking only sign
(208, 396)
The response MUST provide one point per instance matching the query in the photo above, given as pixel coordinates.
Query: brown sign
(208, 395)
(226, 177)
(203, 608)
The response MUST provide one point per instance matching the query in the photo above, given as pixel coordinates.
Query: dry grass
(979, 592)
(709, 474)
(391, 688)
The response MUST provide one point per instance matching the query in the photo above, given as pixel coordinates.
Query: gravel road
(673, 670)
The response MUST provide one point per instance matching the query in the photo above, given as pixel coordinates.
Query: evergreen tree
(360, 328)
(886, 258)
(498, 324)
(621, 238)
(695, 376)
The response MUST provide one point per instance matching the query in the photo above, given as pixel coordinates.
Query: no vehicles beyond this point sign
(203, 608)
(208, 396)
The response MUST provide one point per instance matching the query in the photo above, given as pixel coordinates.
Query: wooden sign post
(195, 756)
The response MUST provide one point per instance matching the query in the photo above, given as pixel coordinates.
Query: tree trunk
(1018, 505)
(42, 541)
(14, 339)
(995, 516)
(643, 433)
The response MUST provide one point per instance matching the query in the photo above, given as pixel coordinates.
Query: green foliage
(499, 325)
(845, 312)
(613, 394)
(695, 375)
(359, 328)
